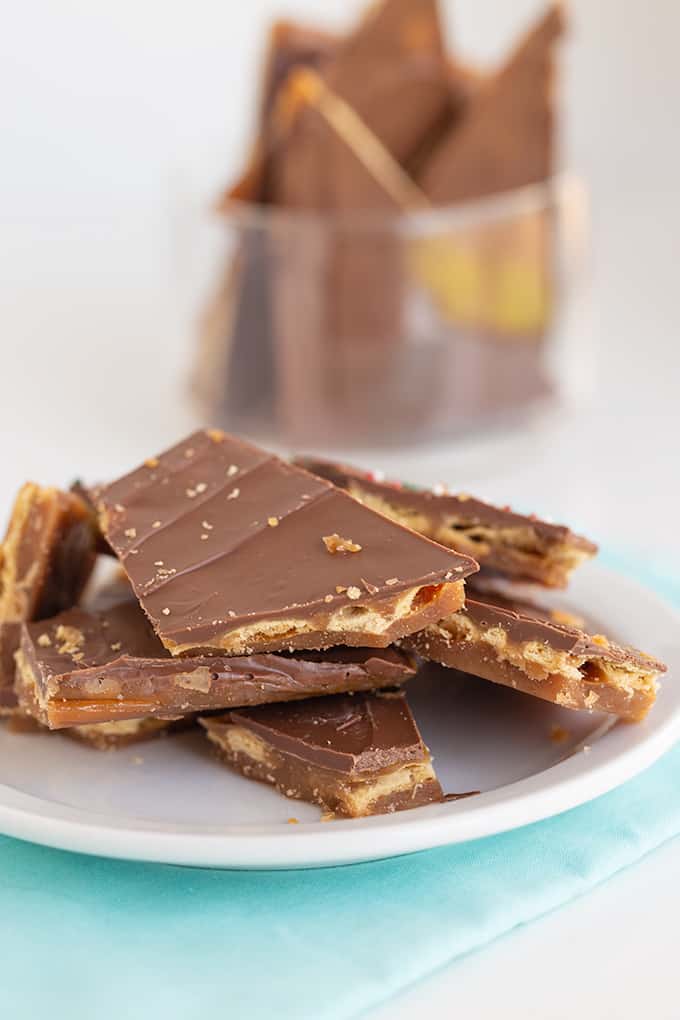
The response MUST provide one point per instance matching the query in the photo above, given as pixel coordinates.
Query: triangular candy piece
(103, 667)
(228, 548)
(353, 756)
(543, 653)
(515, 546)
(504, 139)
(45, 560)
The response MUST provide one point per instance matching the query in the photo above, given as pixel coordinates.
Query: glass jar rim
(498, 207)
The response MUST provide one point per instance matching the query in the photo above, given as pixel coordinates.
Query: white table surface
(100, 268)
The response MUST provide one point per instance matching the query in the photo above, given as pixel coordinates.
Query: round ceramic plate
(169, 800)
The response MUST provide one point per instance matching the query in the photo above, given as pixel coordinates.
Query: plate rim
(582, 777)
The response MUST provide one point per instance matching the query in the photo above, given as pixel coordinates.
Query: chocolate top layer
(122, 637)
(351, 734)
(524, 621)
(216, 534)
(504, 139)
(444, 505)
(77, 639)
(398, 47)
(323, 160)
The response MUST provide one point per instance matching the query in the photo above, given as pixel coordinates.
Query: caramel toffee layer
(45, 560)
(98, 667)
(231, 549)
(519, 645)
(102, 736)
(31, 717)
(352, 755)
(513, 545)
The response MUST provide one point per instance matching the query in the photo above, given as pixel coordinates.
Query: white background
(121, 120)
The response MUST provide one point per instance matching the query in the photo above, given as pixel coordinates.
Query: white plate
(170, 801)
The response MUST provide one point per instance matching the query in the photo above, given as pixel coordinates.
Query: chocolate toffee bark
(398, 47)
(349, 148)
(329, 144)
(353, 755)
(347, 151)
(47, 554)
(291, 45)
(336, 290)
(230, 549)
(519, 645)
(494, 282)
(85, 667)
(413, 92)
(10, 635)
(323, 128)
(235, 367)
(29, 717)
(504, 139)
(45, 560)
(515, 546)
(35, 684)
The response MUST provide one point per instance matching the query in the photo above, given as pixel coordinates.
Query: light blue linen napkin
(83, 937)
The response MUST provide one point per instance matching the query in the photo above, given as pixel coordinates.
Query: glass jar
(365, 330)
